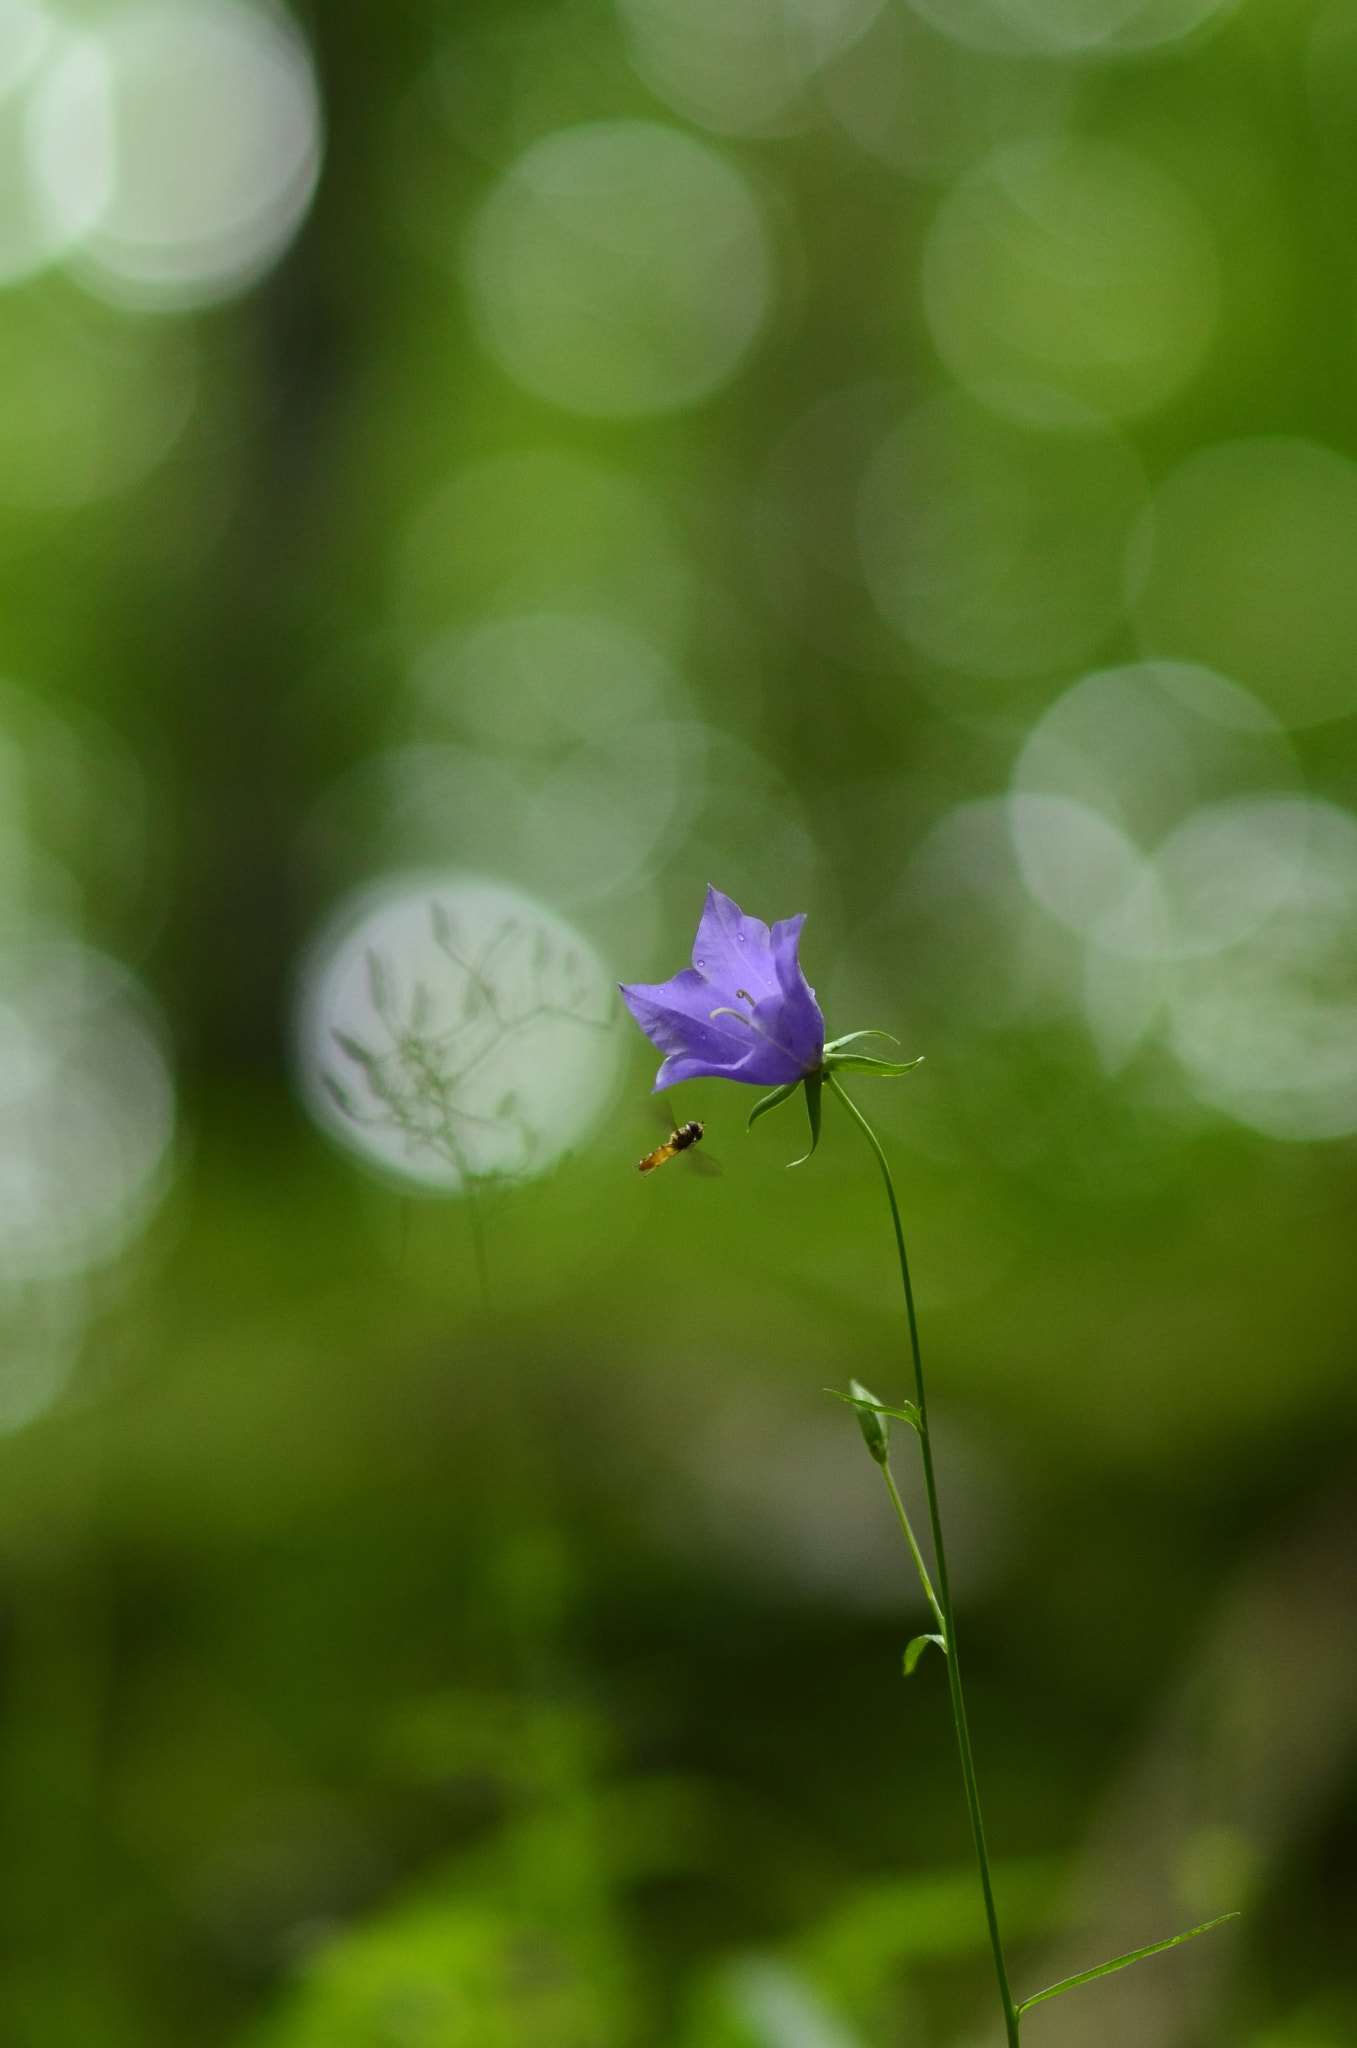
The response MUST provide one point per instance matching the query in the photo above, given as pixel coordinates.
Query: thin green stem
(914, 1550)
(944, 1595)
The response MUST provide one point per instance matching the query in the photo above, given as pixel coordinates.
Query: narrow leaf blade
(339, 1095)
(379, 987)
(916, 1650)
(862, 1063)
(767, 1102)
(856, 1037)
(357, 1052)
(1137, 1955)
(907, 1412)
(813, 1086)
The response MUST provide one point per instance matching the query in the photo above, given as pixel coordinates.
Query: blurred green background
(893, 462)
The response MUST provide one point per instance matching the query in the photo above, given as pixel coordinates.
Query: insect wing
(703, 1164)
(666, 1118)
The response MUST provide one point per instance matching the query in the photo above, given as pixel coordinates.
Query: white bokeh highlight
(928, 105)
(455, 1032)
(181, 140)
(1146, 812)
(1156, 814)
(740, 67)
(1268, 1029)
(1107, 28)
(86, 1111)
(54, 173)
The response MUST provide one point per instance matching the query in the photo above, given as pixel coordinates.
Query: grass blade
(1137, 1955)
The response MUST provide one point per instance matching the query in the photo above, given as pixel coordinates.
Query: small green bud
(874, 1426)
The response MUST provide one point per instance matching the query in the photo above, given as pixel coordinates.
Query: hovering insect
(682, 1138)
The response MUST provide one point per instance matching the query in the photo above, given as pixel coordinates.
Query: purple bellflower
(744, 1011)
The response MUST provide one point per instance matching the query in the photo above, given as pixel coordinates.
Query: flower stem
(914, 1551)
(943, 1602)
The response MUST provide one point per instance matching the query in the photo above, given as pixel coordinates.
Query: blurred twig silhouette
(428, 1083)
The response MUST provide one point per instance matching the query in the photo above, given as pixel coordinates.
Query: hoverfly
(679, 1140)
(682, 1138)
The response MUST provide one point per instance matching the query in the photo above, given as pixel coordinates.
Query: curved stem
(944, 1596)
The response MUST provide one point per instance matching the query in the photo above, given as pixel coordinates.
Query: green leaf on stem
(813, 1085)
(854, 1038)
(875, 1432)
(767, 1102)
(906, 1412)
(862, 1063)
(917, 1648)
(1137, 1955)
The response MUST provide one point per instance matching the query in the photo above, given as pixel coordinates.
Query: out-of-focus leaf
(513, 1949)
(457, 1973)
(466, 1732)
(358, 1053)
(379, 985)
(338, 1095)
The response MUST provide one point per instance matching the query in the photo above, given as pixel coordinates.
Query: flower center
(756, 1028)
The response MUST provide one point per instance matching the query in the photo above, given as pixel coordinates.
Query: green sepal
(862, 1063)
(767, 1102)
(852, 1037)
(906, 1413)
(1137, 1955)
(917, 1648)
(875, 1433)
(813, 1085)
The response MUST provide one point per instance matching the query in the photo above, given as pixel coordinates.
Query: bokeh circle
(453, 1031)
(620, 268)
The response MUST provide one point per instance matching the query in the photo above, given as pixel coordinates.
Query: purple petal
(801, 1024)
(734, 951)
(764, 1068)
(742, 1012)
(676, 1017)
